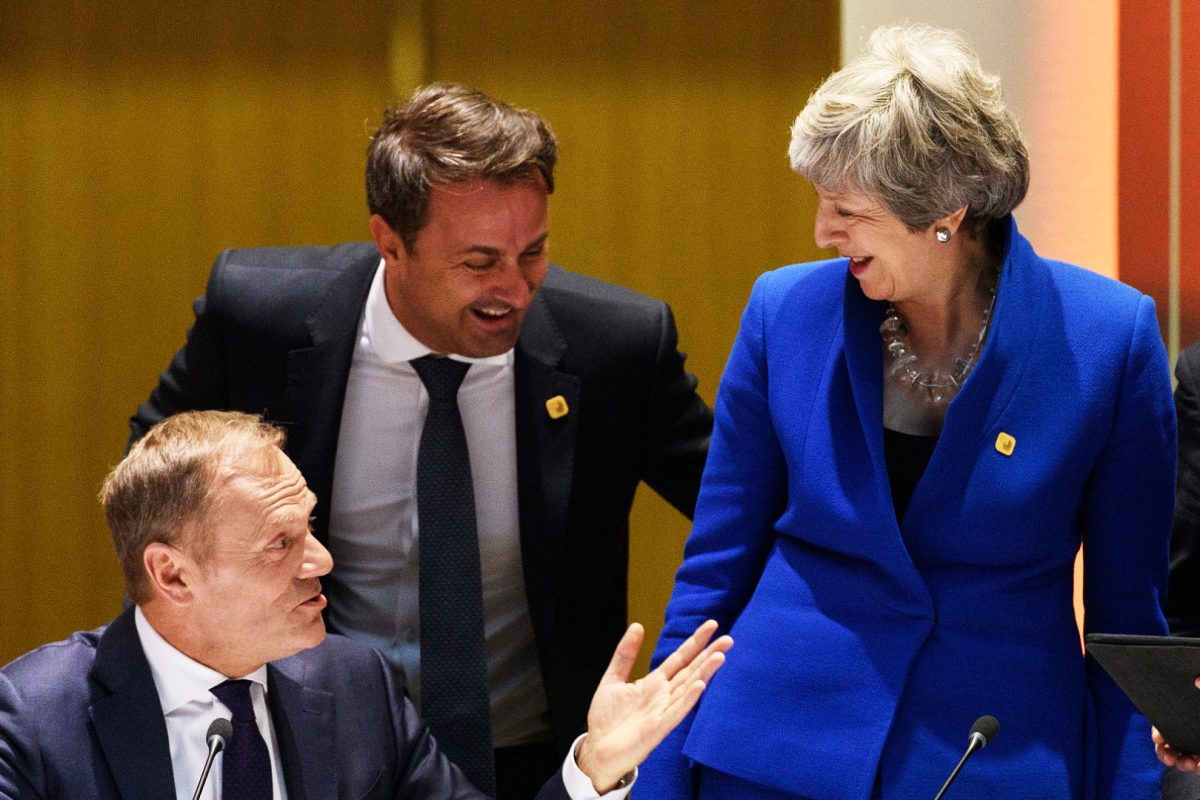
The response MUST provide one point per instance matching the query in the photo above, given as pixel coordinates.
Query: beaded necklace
(935, 386)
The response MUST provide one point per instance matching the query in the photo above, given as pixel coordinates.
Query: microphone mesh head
(220, 727)
(986, 726)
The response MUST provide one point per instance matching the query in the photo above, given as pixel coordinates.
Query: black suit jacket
(1182, 604)
(81, 719)
(274, 334)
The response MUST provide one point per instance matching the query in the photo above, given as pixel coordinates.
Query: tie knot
(441, 376)
(236, 696)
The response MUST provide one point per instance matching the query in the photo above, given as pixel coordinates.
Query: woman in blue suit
(911, 443)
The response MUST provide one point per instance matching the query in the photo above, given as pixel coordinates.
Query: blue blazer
(81, 719)
(866, 646)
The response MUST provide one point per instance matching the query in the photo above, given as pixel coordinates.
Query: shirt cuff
(579, 786)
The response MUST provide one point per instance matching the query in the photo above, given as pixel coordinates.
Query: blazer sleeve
(20, 762)
(423, 771)
(1126, 519)
(196, 377)
(741, 495)
(1182, 605)
(680, 424)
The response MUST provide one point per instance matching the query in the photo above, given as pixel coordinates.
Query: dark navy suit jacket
(274, 335)
(81, 719)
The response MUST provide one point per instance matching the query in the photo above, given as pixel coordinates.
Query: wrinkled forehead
(257, 489)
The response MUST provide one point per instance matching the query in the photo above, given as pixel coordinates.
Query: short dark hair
(446, 133)
(164, 488)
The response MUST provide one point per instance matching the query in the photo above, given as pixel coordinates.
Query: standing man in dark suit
(575, 393)
(211, 525)
(1182, 603)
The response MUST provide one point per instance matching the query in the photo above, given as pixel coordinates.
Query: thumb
(625, 655)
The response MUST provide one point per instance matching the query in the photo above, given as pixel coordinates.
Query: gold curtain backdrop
(137, 142)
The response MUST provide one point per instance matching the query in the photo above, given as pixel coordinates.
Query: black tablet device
(1159, 675)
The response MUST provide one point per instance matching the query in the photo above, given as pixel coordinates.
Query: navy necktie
(454, 690)
(246, 771)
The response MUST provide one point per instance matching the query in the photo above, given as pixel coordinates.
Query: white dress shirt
(373, 536)
(189, 708)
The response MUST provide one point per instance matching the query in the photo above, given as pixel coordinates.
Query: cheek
(536, 275)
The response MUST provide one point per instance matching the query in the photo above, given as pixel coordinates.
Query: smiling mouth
(492, 314)
(859, 264)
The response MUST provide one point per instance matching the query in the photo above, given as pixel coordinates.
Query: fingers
(1172, 757)
(686, 652)
(680, 705)
(703, 666)
(625, 655)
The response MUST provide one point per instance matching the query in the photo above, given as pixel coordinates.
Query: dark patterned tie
(454, 691)
(246, 771)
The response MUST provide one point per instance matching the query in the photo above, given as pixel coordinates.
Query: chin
(490, 348)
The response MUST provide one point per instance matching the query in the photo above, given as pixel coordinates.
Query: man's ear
(170, 572)
(390, 243)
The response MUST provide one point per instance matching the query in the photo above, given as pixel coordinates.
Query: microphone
(982, 732)
(218, 736)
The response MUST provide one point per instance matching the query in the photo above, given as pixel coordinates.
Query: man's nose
(317, 560)
(515, 283)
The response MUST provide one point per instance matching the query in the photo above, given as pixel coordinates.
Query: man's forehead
(267, 479)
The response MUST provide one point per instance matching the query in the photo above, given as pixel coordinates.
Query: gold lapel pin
(557, 407)
(1005, 444)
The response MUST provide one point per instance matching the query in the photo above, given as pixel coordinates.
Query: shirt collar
(390, 342)
(178, 678)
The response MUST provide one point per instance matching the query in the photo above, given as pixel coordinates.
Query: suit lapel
(545, 456)
(129, 720)
(303, 721)
(317, 377)
(864, 361)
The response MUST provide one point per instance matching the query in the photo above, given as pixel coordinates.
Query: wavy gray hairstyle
(916, 123)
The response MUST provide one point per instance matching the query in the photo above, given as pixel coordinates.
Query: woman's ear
(947, 227)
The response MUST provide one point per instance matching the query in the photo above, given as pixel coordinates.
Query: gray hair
(916, 123)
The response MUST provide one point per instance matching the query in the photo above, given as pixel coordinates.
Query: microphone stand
(219, 732)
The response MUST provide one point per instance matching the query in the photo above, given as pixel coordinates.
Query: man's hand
(626, 721)
(1172, 757)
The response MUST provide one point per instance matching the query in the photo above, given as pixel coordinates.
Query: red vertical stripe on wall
(1189, 223)
(1143, 147)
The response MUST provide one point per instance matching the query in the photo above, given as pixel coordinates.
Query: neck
(944, 322)
(189, 639)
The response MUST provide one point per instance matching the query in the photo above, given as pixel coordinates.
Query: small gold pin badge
(557, 407)
(1005, 444)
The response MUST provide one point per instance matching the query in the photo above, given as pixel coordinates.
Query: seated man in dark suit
(211, 525)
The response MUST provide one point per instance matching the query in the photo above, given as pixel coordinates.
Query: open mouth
(317, 600)
(492, 314)
(859, 264)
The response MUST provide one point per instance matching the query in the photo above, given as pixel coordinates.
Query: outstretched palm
(627, 721)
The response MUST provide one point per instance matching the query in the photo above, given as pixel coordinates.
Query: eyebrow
(495, 252)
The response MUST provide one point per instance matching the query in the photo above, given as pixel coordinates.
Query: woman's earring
(943, 235)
